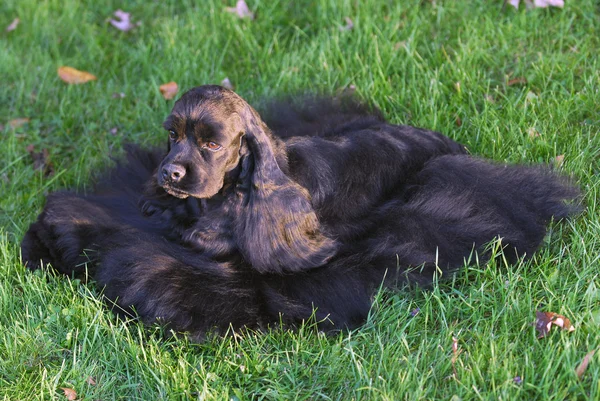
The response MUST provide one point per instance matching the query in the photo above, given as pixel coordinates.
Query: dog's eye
(172, 135)
(213, 146)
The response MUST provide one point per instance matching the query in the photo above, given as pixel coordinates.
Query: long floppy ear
(277, 230)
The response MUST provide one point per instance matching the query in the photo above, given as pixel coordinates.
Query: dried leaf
(13, 25)
(349, 25)
(548, 3)
(584, 364)
(241, 9)
(40, 160)
(72, 76)
(123, 22)
(533, 133)
(169, 90)
(347, 91)
(399, 45)
(91, 381)
(17, 122)
(489, 98)
(537, 3)
(455, 354)
(69, 393)
(517, 81)
(458, 121)
(545, 320)
(226, 83)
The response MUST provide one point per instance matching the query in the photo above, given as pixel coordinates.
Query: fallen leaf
(399, 45)
(226, 83)
(41, 160)
(349, 25)
(169, 90)
(489, 98)
(545, 320)
(458, 121)
(123, 22)
(13, 25)
(69, 393)
(17, 122)
(559, 160)
(533, 133)
(548, 3)
(72, 76)
(457, 87)
(455, 354)
(91, 381)
(537, 3)
(517, 81)
(241, 9)
(347, 91)
(584, 364)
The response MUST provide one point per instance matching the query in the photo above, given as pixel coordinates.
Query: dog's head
(205, 131)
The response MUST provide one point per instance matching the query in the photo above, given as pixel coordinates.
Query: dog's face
(205, 139)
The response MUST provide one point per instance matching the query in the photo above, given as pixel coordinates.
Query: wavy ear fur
(278, 230)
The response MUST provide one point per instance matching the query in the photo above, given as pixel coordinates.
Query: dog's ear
(277, 231)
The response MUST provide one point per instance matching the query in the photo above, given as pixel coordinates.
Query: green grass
(425, 63)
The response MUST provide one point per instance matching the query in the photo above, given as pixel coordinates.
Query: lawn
(520, 86)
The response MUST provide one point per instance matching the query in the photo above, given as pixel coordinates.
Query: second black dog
(241, 226)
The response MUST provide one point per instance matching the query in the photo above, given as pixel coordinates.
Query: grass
(449, 66)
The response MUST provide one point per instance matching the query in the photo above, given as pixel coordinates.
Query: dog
(247, 222)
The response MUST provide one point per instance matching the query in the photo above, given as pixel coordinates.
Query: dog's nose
(173, 172)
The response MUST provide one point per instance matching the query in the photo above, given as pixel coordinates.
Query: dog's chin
(176, 192)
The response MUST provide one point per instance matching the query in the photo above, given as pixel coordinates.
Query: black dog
(239, 226)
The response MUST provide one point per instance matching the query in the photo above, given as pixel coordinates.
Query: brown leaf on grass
(169, 90)
(537, 3)
(584, 364)
(73, 76)
(17, 122)
(458, 121)
(399, 45)
(91, 381)
(226, 83)
(41, 160)
(455, 354)
(533, 133)
(347, 91)
(545, 320)
(517, 81)
(123, 22)
(241, 9)
(69, 393)
(13, 25)
(349, 25)
(547, 3)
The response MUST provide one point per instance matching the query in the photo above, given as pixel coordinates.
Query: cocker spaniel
(244, 223)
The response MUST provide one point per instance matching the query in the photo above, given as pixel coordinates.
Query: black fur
(244, 227)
